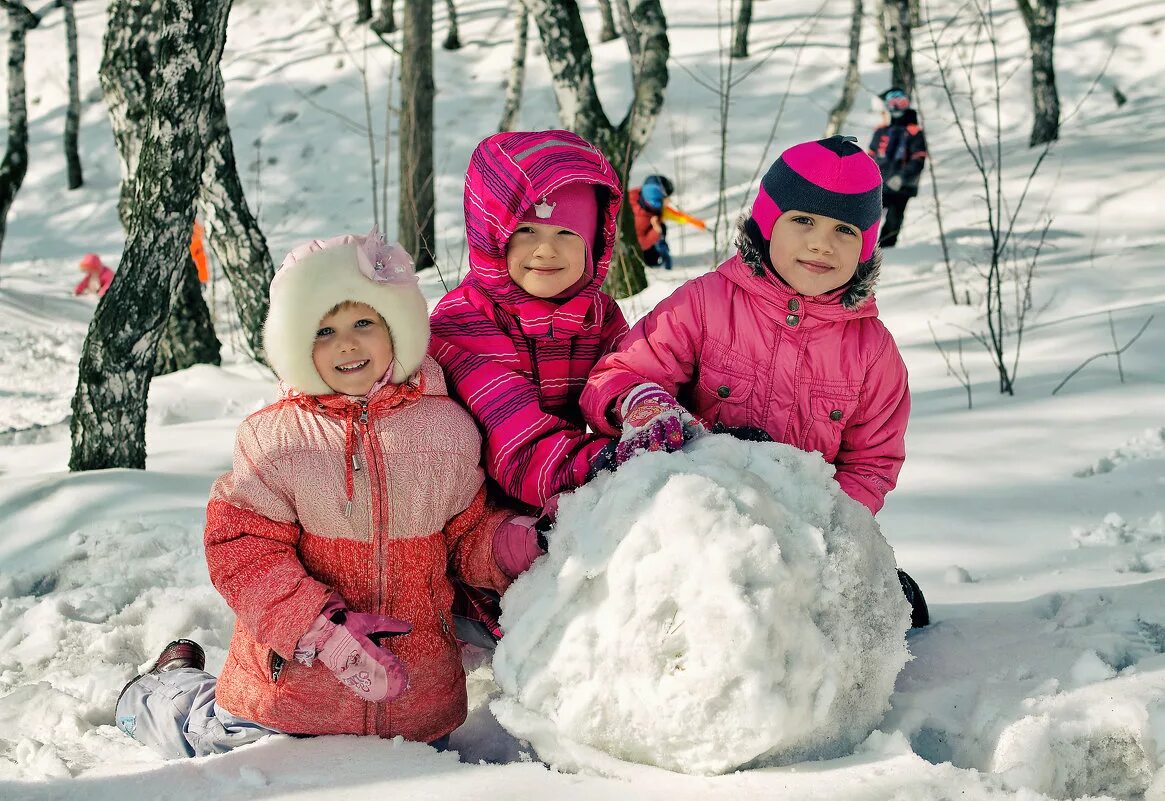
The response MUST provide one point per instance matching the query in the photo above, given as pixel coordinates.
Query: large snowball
(702, 611)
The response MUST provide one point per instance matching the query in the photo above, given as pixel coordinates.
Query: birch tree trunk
(452, 37)
(417, 206)
(569, 56)
(840, 112)
(189, 339)
(630, 35)
(128, 79)
(117, 361)
(882, 16)
(385, 21)
(511, 112)
(232, 232)
(363, 11)
(1040, 18)
(608, 32)
(15, 164)
(743, 21)
(902, 43)
(73, 111)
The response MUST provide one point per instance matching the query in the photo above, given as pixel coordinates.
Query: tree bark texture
(849, 91)
(385, 21)
(511, 112)
(15, 164)
(740, 38)
(363, 10)
(608, 32)
(1040, 18)
(902, 43)
(417, 225)
(117, 363)
(73, 111)
(232, 232)
(627, 23)
(452, 36)
(189, 339)
(569, 56)
(117, 360)
(128, 71)
(882, 17)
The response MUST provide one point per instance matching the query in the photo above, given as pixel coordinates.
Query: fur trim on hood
(750, 245)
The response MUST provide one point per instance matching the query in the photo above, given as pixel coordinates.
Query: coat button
(724, 392)
(835, 415)
(794, 304)
(792, 319)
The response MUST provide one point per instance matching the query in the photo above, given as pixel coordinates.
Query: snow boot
(919, 614)
(177, 654)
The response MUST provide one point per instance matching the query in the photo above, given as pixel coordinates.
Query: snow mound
(702, 611)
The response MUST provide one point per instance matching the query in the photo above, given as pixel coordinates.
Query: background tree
(128, 64)
(363, 10)
(569, 56)
(452, 35)
(1040, 18)
(901, 45)
(416, 223)
(517, 75)
(15, 164)
(117, 360)
(385, 21)
(740, 38)
(73, 110)
(608, 32)
(849, 89)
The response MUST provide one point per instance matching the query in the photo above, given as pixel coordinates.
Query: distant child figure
(783, 340)
(520, 335)
(97, 278)
(648, 203)
(331, 536)
(899, 148)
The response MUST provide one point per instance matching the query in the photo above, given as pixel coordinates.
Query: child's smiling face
(353, 349)
(545, 260)
(815, 254)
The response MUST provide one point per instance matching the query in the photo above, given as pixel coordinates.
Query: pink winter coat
(97, 281)
(746, 350)
(517, 362)
(279, 542)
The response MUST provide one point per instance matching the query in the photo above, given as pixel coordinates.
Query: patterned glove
(894, 183)
(348, 644)
(653, 421)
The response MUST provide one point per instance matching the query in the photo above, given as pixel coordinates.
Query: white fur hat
(316, 277)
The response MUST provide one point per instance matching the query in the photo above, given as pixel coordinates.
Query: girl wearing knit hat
(783, 337)
(348, 502)
(783, 340)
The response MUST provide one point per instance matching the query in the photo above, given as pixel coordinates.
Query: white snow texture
(702, 611)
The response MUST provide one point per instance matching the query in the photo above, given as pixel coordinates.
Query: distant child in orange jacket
(647, 203)
(97, 278)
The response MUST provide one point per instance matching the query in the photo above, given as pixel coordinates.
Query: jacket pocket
(275, 666)
(724, 377)
(830, 411)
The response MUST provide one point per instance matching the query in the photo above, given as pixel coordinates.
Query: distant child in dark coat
(899, 148)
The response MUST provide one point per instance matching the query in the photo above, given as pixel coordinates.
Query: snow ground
(1033, 522)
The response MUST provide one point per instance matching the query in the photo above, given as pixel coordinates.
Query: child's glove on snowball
(345, 641)
(894, 183)
(653, 421)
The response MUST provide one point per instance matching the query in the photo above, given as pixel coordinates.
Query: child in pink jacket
(97, 278)
(331, 537)
(783, 340)
(519, 336)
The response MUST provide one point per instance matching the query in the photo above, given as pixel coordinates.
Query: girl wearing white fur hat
(331, 535)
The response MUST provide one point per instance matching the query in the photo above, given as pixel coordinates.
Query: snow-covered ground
(1036, 523)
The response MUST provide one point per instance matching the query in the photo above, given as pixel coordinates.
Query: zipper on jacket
(275, 664)
(377, 489)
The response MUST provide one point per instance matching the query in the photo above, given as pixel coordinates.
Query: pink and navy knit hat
(833, 177)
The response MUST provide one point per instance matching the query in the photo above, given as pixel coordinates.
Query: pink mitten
(348, 644)
(653, 421)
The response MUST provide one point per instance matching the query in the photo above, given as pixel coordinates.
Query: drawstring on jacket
(342, 407)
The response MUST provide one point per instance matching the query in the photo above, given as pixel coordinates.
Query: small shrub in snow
(722, 607)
